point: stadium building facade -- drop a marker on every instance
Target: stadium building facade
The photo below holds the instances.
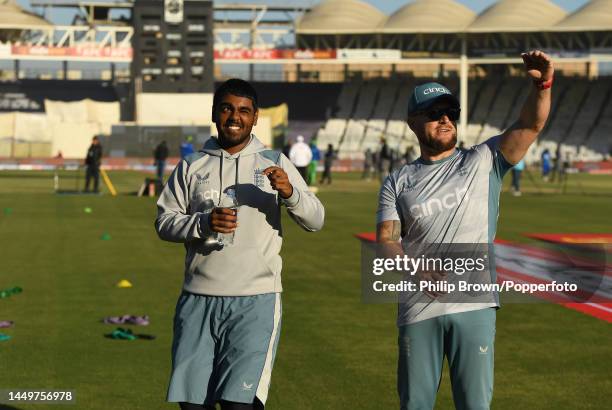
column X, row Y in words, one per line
column 370, row 62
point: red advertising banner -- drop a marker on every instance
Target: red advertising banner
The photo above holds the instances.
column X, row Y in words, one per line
column 273, row 54
column 573, row 238
column 111, row 53
column 602, row 167
column 526, row 265
column 246, row 54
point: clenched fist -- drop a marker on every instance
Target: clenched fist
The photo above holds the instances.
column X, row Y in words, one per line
column 223, row 220
column 279, row 181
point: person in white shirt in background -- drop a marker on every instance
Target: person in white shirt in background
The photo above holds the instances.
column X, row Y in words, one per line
column 300, row 155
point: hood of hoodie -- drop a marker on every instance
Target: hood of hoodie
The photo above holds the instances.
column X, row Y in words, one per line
column 212, row 147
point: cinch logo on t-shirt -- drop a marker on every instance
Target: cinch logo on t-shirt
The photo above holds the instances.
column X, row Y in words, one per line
column 435, row 205
column 212, row 194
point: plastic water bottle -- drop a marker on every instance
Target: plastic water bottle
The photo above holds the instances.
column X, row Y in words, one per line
column 229, row 201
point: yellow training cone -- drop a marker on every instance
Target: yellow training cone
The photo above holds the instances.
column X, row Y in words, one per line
column 123, row 283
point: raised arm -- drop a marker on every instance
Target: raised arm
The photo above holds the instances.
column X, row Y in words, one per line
column 517, row 139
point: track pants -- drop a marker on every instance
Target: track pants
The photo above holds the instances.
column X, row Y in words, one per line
column 467, row 340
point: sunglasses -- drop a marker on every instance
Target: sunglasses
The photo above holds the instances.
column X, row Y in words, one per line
column 436, row 114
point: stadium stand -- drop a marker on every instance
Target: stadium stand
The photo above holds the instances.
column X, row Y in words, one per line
column 379, row 110
column 331, row 133
column 396, row 126
column 354, row 115
column 386, row 100
column 307, row 129
column 347, row 99
column 600, row 138
column 38, row 91
column 42, row 118
column 480, row 115
column 377, row 124
column 299, row 97
column 497, row 115
column 305, row 118
column 356, row 127
column 573, row 98
column 588, row 112
column 375, row 128
column 367, row 103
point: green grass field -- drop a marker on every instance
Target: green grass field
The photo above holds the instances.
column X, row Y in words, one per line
column 335, row 352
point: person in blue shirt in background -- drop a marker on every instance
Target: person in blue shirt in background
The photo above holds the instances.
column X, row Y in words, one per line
column 546, row 164
column 187, row 147
column 314, row 162
column 516, row 177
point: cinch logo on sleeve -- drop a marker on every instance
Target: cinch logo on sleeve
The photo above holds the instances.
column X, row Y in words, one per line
column 435, row 90
column 435, row 205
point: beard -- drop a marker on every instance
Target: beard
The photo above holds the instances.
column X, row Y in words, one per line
column 435, row 146
column 231, row 139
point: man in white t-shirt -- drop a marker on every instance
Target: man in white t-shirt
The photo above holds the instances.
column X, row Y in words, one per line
column 300, row 155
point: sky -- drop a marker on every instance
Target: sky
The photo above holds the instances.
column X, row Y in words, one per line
column 387, row 6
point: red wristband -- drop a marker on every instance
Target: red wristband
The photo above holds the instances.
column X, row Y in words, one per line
column 544, row 85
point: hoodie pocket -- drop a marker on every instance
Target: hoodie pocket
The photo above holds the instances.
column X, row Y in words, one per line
column 232, row 263
column 265, row 262
column 258, row 260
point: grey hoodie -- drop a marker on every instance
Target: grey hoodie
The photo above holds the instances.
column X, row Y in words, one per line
column 252, row 264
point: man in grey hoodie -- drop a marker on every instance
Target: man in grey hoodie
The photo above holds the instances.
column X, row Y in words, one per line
column 227, row 320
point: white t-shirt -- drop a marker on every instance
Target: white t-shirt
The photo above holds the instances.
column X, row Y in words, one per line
column 300, row 154
column 451, row 201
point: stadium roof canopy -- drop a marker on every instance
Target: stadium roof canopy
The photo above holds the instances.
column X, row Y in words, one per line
column 12, row 14
column 518, row 16
column 596, row 15
column 429, row 16
column 341, row 17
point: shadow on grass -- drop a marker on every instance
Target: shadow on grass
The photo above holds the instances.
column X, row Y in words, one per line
column 5, row 407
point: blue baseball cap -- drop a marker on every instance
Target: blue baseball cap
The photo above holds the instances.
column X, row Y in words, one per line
column 425, row 95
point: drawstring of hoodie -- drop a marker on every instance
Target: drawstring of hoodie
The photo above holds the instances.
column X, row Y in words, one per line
column 220, row 179
column 218, row 150
column 237, row 168
column 221, row 158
